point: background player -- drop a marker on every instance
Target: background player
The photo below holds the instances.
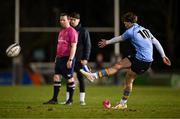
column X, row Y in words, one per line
column 82, row 53
column 64, row 62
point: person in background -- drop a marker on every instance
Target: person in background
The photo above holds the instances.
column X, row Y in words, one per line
column 99, row 64
column 82, row 54
column 65, row 59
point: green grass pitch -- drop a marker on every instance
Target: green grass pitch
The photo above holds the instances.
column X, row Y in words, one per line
column 144, row 102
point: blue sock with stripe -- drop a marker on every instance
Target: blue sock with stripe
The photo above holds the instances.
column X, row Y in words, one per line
column 125, row 97
column 102, row 73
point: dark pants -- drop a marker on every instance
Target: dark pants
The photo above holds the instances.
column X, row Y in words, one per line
column 77, row 68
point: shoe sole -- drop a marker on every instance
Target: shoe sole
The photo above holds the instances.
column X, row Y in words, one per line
column 62, row 103
column 86, row 75
column 82, row 104
column 120, row 108
column 50, row 103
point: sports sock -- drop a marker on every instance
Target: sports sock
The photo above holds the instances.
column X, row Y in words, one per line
column 57, row 85
column 67, row 96
column 71, row 87
column 125, row 97
column 102, row 73
column 86, row 68
column 82, row 96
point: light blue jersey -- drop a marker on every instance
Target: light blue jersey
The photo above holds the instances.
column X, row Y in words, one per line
column 143, row 42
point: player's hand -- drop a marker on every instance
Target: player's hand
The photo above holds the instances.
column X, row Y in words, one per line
column 84, row 62
column 166, row 61
column 69, row 64
column 102, row 43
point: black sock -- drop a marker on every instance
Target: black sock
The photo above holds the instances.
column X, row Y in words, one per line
column 57, row 85
column 81, row 82
column 71, row 87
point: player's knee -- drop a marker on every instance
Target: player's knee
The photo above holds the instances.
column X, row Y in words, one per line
column 71, row 80
column 56, row 78
column 117, row 66
column 71, row 83
column 131, row 75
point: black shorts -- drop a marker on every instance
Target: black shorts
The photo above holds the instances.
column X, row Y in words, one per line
column 138, row 66
column 61, row 67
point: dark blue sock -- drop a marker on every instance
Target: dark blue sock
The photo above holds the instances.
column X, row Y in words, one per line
column 71, row 87
column 103, row 73
column 126, row 94
column 57, row 85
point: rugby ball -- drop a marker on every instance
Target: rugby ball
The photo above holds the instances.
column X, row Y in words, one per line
column 106, row 104
column 13, row 50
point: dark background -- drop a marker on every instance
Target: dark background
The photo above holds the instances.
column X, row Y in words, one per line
column 159, row 16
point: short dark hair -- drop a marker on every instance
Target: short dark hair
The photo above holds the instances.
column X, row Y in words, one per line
column 129, row 17
column 75, row 15
column 64, row 14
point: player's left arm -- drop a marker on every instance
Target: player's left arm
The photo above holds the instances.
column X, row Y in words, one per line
column 72, row 54
column 161, row 51
column 87, row 48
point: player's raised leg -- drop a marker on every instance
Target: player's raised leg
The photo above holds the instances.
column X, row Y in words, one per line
column 124, row 63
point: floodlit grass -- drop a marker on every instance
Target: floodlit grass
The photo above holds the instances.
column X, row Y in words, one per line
column 146, row 102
